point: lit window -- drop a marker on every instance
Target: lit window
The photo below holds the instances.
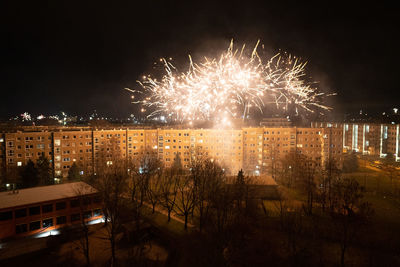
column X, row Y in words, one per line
column 48, row 223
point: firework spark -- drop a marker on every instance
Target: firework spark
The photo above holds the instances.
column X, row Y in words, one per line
column 229, row 87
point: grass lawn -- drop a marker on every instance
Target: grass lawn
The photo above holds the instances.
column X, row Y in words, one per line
column 160, row 221
column 382, row 192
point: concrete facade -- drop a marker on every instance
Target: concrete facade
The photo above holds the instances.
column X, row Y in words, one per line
column 254, row 150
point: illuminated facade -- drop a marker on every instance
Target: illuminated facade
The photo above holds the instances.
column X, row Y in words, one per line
column 23, row 146
column 255, row 150
column 2, row 154
column 70, row 147
column 370, row 138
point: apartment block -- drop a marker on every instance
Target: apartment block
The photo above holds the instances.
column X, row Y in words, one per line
column 23, row 146
column 72, row 147
column 255, row 150
column 373, row 139
column 2, row 154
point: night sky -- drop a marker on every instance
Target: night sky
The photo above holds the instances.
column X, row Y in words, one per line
column 77, row 56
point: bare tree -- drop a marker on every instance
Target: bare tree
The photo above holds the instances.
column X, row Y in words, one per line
column 301, row 171
column 222, row 204
column 330, row 174
column 153, row 190
column 242, row 195
column 307, row 179
column 169, row 189
column 290, row 165
column 81, row 191
column 111, row 181
column 206, row 175
column 145, row 167
column 186, row 197
column 349, row 212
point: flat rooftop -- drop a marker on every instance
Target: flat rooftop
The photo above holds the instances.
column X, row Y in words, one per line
column 40, row 194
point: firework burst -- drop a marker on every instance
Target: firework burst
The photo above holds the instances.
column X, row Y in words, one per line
column 230, row 86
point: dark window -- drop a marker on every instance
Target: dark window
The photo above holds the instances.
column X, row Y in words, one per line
column 74, row 203
column 47, row 223
column 75, row 217
column 61, row 220
column 87, row 214
column 61, row 205
column 96, row 199
column 47, row 208
column 97, row 212
column 20, row 213
column 4, row 216
column 86, row 201
column 21, row 228
column 34, row 226
column 34, row 210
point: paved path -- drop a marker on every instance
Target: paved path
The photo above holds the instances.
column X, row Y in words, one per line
column 164, row 212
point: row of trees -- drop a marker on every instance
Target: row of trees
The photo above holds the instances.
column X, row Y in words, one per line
column 316, row 182
column 225, row 209
column 326, row 192
column 36, row 174
column 213, row 201
column 31, row 174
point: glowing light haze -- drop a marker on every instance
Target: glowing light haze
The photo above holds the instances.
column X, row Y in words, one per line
column 231, row 86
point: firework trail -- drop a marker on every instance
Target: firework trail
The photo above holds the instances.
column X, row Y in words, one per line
column 229, row 87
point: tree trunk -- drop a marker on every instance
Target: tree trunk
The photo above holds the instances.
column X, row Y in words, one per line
column 141, row 198
column 186, row 220
column 87, row 248
column 342, row 256
column 201, row 219
column 133, row 195
column 105, row 219
column 113, row 263
column 169, row 215
column 343, row 247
